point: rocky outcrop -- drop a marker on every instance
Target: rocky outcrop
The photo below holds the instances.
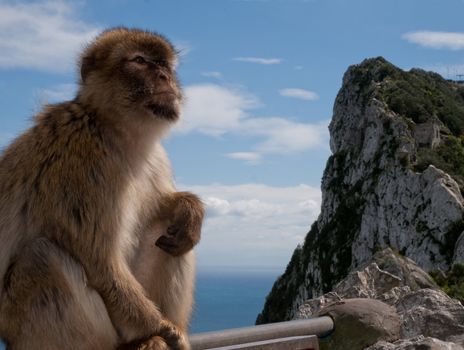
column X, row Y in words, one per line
column 387, row 184
column 418, row 343
column 388, row 278
column 401, row 307
column 430, row 313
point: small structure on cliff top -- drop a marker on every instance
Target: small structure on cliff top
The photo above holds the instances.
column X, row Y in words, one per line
column 427, row 134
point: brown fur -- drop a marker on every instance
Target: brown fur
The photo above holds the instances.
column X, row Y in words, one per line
column 84, row 196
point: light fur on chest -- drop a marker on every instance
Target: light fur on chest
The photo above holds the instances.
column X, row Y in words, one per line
column 142, row 197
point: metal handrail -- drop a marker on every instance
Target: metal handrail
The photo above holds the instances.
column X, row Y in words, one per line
column 320, row 326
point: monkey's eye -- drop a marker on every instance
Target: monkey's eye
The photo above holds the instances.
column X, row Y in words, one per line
column 162, row 63
column 139, row 60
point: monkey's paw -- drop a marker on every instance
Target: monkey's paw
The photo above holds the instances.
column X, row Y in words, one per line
column 186, row 216
column 174, row 338
column 154, row 343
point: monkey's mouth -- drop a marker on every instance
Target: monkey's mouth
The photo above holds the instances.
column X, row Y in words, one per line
column 164, row 111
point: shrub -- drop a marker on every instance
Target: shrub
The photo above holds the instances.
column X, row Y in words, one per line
column 452, row 282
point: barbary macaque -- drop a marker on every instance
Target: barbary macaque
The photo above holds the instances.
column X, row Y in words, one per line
column 95, row 241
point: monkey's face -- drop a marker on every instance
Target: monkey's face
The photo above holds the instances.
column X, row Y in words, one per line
column 135, row 71
column 150, row 79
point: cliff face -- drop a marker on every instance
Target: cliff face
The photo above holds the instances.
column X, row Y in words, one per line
column 394, row 180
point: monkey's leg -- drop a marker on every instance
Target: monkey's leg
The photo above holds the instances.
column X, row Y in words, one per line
column 134, row 315
column 167, row 280
column 47, row 305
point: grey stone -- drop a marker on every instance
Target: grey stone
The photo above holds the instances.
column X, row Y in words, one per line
column 431, row 313
column 367, row 283
column 405, row 269
column 459, row 250
column 311, row 307
column 360, row 323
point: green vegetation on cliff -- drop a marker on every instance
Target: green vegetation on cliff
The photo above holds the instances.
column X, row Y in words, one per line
column 448, row 156
column 451, row 282
column 420, row 97
column 283, row 292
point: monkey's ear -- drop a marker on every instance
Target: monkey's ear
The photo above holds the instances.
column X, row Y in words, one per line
column 88, row 64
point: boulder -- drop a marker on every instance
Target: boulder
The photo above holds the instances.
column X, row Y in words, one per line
column 431, row 313
column 360, row 323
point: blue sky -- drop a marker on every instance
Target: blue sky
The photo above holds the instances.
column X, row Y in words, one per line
column 260, row 78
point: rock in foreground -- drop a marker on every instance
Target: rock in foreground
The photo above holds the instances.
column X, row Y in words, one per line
column 359, row 323
column 402, row 309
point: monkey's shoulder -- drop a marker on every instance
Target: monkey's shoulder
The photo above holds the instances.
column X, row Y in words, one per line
column 67, row 119
column 65, row 142
column 68, row 130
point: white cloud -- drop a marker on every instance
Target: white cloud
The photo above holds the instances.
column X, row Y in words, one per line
column 259, row 60
column 436, row 40
column 284, row 136
column 217, row 110
column 213, row 109
column 254, row 224
column 43, row 35
column 299, row 93
column 249, row 157
column 217, row 75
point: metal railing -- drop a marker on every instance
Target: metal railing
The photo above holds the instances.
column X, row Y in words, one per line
column 269, row 336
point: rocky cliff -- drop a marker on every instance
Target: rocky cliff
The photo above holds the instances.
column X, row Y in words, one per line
column 395, row 179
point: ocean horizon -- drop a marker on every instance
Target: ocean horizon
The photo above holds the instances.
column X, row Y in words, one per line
column 230, row 297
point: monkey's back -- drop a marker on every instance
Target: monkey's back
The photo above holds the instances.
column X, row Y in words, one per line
column 53, row 178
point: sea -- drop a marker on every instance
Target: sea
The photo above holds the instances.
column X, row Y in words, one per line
column 228, row 297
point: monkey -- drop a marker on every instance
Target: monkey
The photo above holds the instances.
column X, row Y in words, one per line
column 96, row 242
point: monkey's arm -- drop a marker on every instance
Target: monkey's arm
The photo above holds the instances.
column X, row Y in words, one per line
column 184, row 212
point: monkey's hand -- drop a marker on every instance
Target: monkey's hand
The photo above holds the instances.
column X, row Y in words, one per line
column 184, row 211
column 168, row 337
